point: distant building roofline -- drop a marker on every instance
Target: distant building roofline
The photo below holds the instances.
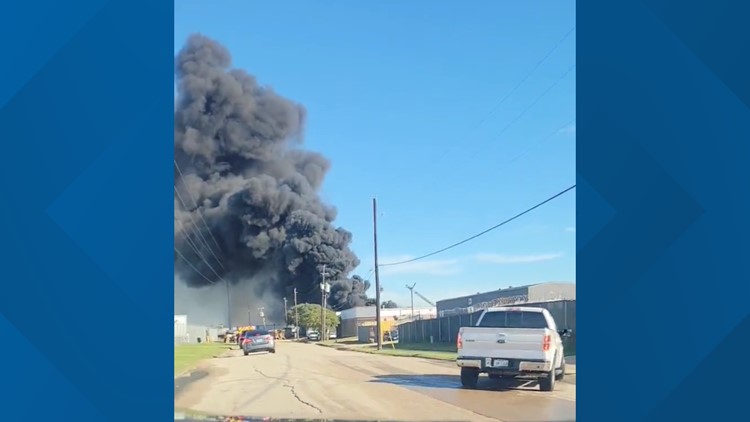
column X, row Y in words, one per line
column 525, row 286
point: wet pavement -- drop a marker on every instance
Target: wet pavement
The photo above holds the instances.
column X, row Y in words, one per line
column 305, row 381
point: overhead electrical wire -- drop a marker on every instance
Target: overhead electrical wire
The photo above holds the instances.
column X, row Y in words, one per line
column 433, row 181
column 195, row 203
column 555, row 196
column 528, row 75
column 199, row 235
column 187, row 261
column 538, row 143
column 197, row 251
column 529, row 107
column 197, row 232
column 515, row 88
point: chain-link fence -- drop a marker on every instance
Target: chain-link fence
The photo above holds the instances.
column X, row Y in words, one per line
column 445, row 330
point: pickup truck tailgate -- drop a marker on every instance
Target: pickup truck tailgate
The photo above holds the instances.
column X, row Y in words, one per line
column 512, row 343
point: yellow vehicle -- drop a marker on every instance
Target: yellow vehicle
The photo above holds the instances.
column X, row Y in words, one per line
column 243, row 330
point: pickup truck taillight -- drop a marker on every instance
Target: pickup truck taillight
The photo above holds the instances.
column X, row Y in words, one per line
column 459, row 341
column 546, row 343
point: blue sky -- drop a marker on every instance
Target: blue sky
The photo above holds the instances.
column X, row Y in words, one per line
column 403, row 98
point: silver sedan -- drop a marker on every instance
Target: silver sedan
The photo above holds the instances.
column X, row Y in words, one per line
column 258, row 341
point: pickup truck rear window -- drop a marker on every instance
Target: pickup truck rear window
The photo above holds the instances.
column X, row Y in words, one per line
column 513, row 319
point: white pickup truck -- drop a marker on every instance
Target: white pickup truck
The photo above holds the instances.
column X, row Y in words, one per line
column 512, row 342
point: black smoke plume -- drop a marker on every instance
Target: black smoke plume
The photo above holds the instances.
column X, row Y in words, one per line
column 245, row 188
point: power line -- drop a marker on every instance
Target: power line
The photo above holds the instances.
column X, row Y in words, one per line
column 485, row 231
column 197, row 251
column 201, row 237
column 195, row 229
column 515, row 88
column 521, row 82
column 434, row 180
column 541, row 141
column 182, row 177
column 192, row 266
column 498, row 169
column 530, row 106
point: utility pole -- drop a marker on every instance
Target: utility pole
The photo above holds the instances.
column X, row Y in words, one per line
column 229, row 307
column 296, row 316
column 262, row 316
column 286, row 318
column 324, row 288
column 378, row 323
column 411, row 289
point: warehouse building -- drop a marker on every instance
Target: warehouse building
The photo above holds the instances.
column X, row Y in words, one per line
column 365, row 316
column 535, row 293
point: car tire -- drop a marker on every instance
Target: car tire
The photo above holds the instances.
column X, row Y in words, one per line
column 245, row 352
column 548, row 383
column 272, row 350
column 469, row 377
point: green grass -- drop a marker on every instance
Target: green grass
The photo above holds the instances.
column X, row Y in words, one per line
column 187, row 356
column 439, row 351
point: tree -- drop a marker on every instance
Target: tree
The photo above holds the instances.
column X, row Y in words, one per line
column 389, row 304
column 309, row 316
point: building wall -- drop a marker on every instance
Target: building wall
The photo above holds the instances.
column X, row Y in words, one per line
column 401, row 313
column 552, row 291
column 541, row 292
column 365, row 315
column 473, row 300
column 349, row 327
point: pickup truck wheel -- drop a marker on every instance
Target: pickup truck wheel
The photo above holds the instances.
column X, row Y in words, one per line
column 469, row 377
column 548, row 383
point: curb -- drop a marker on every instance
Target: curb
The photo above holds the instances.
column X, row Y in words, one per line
column 569, row 370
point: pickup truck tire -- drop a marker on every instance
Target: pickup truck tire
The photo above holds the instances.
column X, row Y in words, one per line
column 469, row 377
column 548, row 383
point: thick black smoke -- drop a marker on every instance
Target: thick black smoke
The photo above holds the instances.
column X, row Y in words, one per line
column 237, row 159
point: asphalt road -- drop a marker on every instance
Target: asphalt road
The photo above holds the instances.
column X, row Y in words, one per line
column 309, row 381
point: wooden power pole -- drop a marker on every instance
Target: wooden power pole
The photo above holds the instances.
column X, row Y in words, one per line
column 378, row 323
column 296, row 316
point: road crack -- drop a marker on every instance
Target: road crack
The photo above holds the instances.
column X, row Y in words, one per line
column 299, row 399
column 291, row 389
column 267, row 376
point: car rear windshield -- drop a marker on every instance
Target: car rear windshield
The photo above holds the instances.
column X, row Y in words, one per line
column 513, row 319
column 253, row 333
